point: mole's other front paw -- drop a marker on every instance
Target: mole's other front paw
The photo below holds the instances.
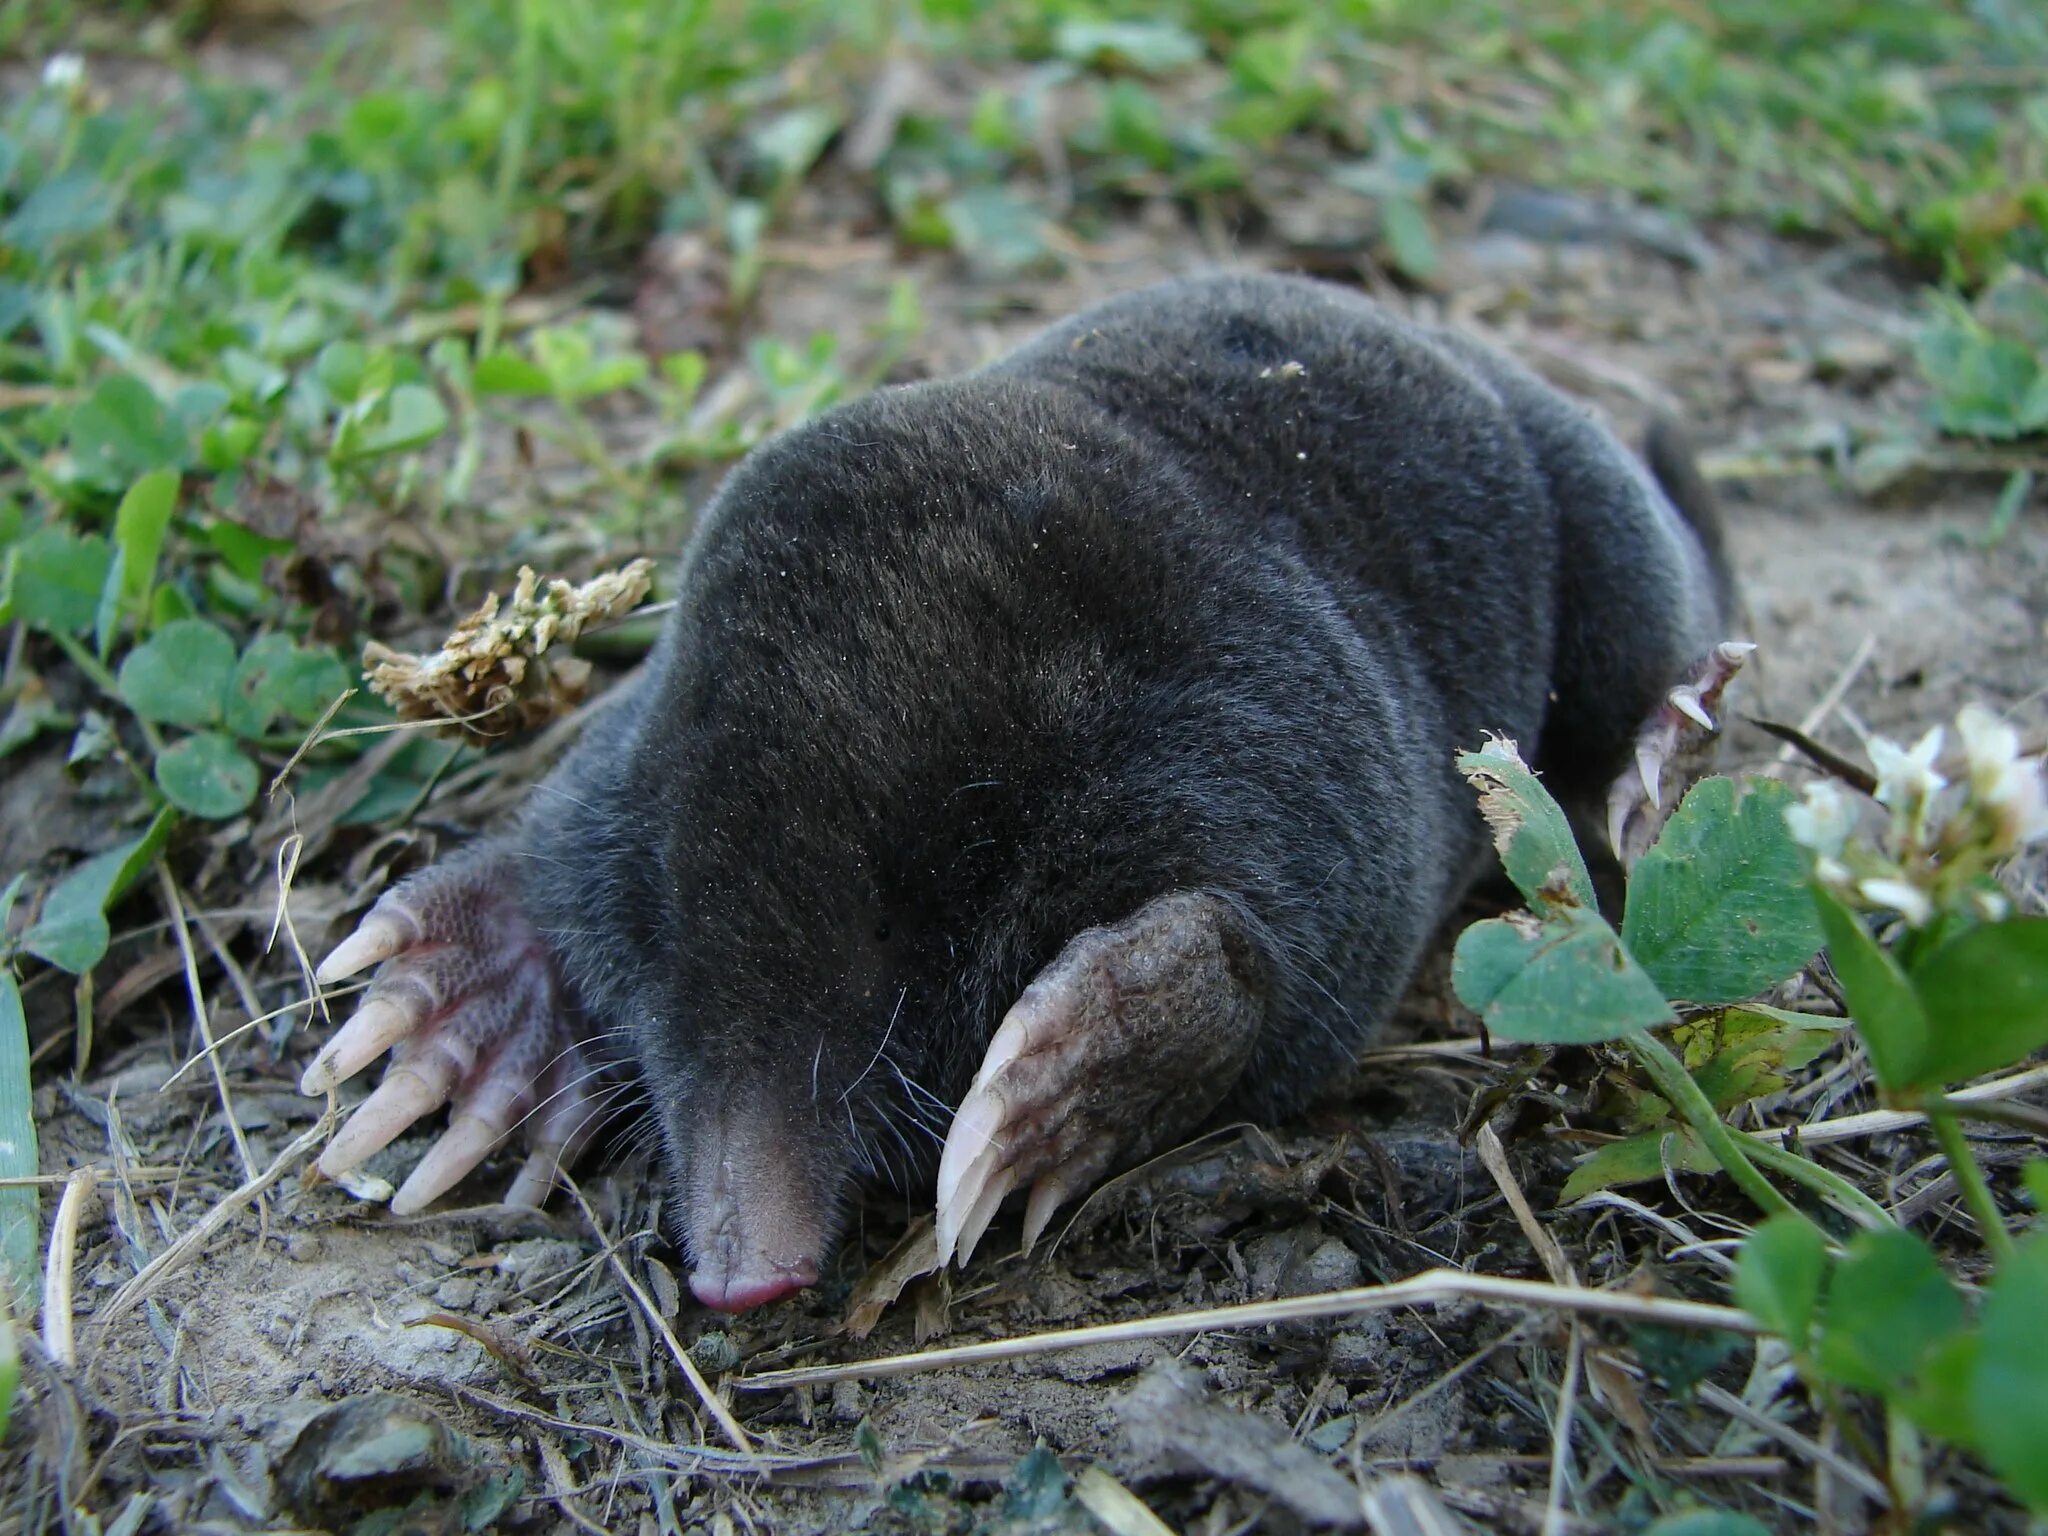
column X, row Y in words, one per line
column 1123, row 1043
column 1672, row 751
column 467, row 1002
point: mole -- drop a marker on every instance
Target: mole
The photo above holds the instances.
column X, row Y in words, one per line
column 1040, row 762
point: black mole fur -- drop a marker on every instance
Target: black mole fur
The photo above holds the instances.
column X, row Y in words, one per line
column 1199, row 590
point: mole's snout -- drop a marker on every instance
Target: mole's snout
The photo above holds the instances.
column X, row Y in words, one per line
column 758, row 1215
column 724, row 1291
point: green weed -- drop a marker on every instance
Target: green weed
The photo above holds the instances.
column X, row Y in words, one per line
column 1743, row 885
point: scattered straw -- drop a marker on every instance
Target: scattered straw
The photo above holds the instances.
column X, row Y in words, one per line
column 189, row 1242
column 1435, row 1287
column 174, row 904
column 58, row 1339
column 713, row 1403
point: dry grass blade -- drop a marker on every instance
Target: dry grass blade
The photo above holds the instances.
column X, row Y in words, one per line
column 1812, row 1450
column 1118, row 1510
column 1407, row 1506
column 174, row 904
column 713, row 1403
column 224, row 1210
column 1494, row 1157
column 1877, row 1122
column 1435, row 1287
column 58, row 1340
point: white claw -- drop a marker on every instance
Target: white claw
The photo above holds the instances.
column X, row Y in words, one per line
column 1047, row 1195
column 984, row 1212
column 407, row 1093
column 375, row 1027
column 379, row 936
column 973, row 1132
column 536, row 1179
column 466, row 1142
column 1651, row 767
column 1618, row 808
column 955, row 1211
column 1687, row 702
column 1735, row 651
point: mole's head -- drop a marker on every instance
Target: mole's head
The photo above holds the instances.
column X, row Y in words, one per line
column 881, row 773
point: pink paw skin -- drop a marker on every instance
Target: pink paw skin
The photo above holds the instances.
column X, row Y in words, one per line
column 1673, row 750
column 467, row 1003
column 1119, row 1047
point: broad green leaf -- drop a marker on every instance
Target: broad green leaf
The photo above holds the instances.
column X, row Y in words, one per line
column 792, row 141
column 58, row 578
column 1985, row 995
column 140, row 523
column 1888, row 1308
column 121, row 431
column 1529, row 828
column 1404, row 225
column 1036, row 1489
column 180, row 674
column 410, row 416
column 2009, row 1392
column 1739, row 1054
column 276, row 676
column 71, row 930
column 206, row 775
column 1887, row 1011
column 1565, row 980
column 20, row 1224
column 1637, row 1160
column 1149, row 47
column 507, row 373
column 343, row 369
column 1718, row 910
column 1779, row 1275
column 245, row 550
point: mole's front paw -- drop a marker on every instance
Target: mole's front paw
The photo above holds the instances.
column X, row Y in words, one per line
column 1119, row 1046
column 467, row 1002
column 1672, row 750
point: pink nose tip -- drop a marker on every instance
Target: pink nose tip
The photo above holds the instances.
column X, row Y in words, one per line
column 742, row 1293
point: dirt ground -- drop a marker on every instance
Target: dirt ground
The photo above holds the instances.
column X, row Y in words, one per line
column 517, row 1346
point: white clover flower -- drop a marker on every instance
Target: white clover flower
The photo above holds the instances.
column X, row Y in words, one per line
column 1832, row 872
column 1900, row 896
column 1823, row 818
column 1907, row 780
column 63, row 72
column 1992, row 906
column 1989, row 745
column 2020, row 801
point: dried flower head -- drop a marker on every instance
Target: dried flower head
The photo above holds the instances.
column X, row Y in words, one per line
column 506, row 667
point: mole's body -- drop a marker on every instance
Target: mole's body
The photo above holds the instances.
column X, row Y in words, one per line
column 1109, row 693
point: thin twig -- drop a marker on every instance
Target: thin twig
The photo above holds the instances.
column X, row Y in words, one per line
column 1435, row 1287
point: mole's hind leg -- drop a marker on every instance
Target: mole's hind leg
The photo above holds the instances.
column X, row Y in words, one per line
column 1121, row 1045
column 468, row 1004
column 1672, row 750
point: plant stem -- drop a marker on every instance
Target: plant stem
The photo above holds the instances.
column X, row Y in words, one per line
column 105, row 681
column 1948, row 1130
column 1684, row 1095
column 1825, row 1182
